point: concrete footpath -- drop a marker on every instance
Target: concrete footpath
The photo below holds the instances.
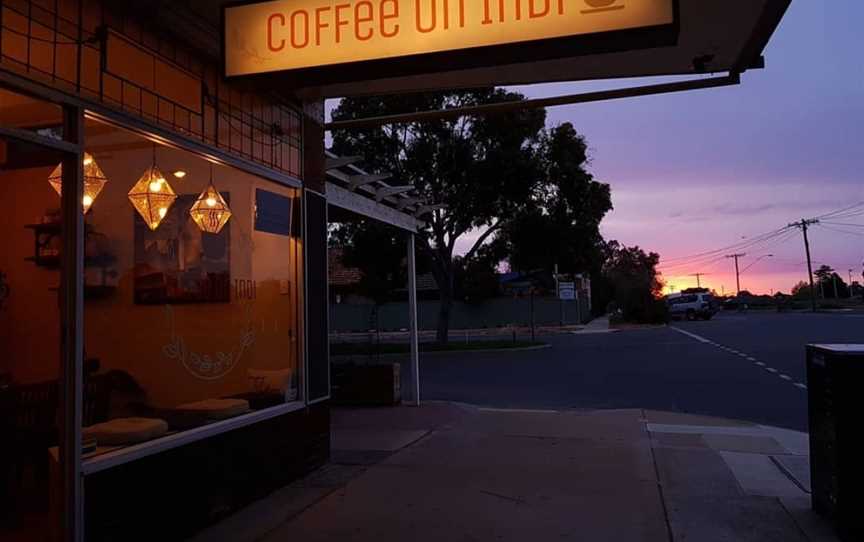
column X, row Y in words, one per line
column 454, row 472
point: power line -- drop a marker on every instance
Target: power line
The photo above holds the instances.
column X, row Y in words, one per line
column 757, row 260
column 838, row 230
column 842, row 224
column 727, row 248
column 775, row 240
column 709, row 256
column 845, row 210
column 768, row 239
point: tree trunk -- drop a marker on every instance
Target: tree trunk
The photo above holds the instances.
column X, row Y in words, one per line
column 445, row 306
column 444, row 309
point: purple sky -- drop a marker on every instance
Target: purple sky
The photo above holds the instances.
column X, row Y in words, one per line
column 697, row 171
column 694, row 172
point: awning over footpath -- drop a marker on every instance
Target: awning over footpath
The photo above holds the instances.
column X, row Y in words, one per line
column 714, row 36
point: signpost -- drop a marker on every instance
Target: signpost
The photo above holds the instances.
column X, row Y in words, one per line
column 312, row 37
column 567, row 291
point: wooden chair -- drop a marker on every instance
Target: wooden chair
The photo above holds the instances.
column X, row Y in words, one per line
column 31, row 422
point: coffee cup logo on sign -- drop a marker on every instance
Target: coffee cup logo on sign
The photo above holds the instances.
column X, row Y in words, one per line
column 597, row 6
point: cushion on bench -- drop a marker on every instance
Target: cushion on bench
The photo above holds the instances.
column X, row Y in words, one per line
column 125, row 431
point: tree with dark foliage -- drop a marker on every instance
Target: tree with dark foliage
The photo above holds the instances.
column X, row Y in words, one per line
column 636, row 287
column 482, row 169
column 560, row 225
column 829, row 284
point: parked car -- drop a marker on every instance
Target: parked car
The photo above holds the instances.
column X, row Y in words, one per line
column 692, row 306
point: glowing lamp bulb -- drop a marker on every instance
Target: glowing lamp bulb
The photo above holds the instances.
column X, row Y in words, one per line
column 88, row 160
column 211, row 202
column 87, row 201
column 155, row 186
column 162, row 212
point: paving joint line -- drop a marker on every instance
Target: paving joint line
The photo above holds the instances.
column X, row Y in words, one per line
column 659, row 484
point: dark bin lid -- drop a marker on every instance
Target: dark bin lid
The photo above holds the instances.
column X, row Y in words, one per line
column 839, row 348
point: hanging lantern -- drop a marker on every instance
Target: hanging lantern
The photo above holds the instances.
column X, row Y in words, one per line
column 152, row 197
column 94, row 181
column 210, row 211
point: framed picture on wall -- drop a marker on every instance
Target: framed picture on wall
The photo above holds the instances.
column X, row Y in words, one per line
column 178, row 263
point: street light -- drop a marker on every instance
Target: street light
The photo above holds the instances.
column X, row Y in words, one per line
column 759, row 259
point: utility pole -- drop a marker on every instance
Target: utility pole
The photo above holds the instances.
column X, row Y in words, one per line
column 850, row 283
column 737, row 271
column 804, row 225
column 699, row 278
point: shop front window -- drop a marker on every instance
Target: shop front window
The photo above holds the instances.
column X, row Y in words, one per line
column 192, row 310
column 30, row 331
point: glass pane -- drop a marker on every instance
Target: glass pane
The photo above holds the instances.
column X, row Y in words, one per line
column 25, row 113
column 191, row 313
column 29, row 342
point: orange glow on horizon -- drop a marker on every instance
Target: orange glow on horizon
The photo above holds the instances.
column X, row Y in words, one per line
column 766, row 283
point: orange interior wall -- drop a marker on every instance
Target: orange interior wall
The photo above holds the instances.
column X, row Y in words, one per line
column 138, row 338
column 30, row 319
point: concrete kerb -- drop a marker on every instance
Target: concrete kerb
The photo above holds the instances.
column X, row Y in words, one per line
column 397, row 355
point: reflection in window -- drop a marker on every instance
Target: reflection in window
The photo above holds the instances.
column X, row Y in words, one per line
column 30, row 227
column 25, row 113
column 192, row 311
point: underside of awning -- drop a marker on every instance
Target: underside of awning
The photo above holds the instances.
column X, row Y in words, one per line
column 715, row 36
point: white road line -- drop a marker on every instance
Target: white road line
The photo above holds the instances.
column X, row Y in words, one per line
column 702, row 340
column 748, row 357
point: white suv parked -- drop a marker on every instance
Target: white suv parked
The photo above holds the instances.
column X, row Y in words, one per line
column 692, row 305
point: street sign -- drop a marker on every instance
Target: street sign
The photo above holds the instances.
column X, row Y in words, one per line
column 302, row 35
column 567, row 291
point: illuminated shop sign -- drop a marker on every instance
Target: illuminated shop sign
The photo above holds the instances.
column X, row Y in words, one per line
column 286, row 35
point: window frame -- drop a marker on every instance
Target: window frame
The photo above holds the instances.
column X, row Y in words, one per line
column 75, row 112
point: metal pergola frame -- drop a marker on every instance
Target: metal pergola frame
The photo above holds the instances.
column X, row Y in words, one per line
column 353, row 189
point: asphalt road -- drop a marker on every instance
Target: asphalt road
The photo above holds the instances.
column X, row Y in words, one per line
column 740, row 366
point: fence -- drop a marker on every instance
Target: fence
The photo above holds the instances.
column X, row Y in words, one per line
column 491, row 314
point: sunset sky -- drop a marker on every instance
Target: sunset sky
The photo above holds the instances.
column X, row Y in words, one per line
column 694, row 172
column 698, row 171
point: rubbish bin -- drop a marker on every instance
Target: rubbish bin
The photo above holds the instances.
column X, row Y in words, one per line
column 835, row 376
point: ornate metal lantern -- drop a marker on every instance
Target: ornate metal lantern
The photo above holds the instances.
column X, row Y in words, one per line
column 152, row 197
column 94, row 181
column 210, row 211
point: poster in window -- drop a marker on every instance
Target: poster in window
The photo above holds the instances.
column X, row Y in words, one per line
column 178, row 263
